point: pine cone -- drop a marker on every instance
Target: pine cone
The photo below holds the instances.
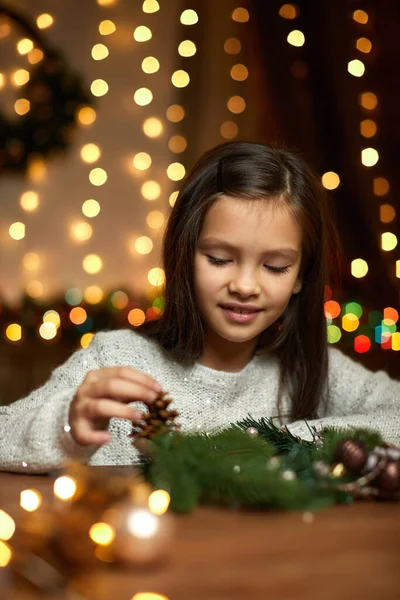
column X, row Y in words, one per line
column 158, row 420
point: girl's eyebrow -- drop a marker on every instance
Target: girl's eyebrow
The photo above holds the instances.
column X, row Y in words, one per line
column 211, row 242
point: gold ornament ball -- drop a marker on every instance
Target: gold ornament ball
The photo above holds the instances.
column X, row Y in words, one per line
column 141, row 537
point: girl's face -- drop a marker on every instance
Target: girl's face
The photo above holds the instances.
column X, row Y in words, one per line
column 248, row 255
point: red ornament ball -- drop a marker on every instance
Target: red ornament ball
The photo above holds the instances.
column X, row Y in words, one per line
column 352, row 454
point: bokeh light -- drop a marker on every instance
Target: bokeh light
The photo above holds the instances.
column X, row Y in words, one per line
column 229, row 130
column 240, row 15
column 369, row 157
column 92, row 263
column 176, row 171
column 143, row 96
column 356, row 67
column 155, row 219
column 136, row 317
column 175, row 113
column 330, row 180
column 151, row 190
column 29, row 201
column 296, row 38
column 90, row 153
column 107, row 27
column 177, row 144
column 152, row 127
column 93, row 294
column 236, row 104
column 150, row 65
column 100, row 52
column 388, row 241
column 156, row 276
column 189, row 17
column 288, row 11
column 30, row 500
column 187, row 48
column 99, row 87
column 359, row 268
column 143, row 245
column 86, row 115
column 333, row 334
column 142, row 161
column 180, row 78
column 98, row 176
column 380, row 186
column 31, row 261
column 368, row 128
column 14, row 332
column 91, row 208
column 17, row 231
column 360, row 16
column 142, row 34
column 239, row 72
column 150, row 6
column 362, row 344
column 368, row 100
column 232, row 46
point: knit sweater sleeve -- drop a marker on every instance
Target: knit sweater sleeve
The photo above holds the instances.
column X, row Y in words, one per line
column 357, row 398
column 34, row 431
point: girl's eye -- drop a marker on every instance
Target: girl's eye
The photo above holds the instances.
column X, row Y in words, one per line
column 277, row 269
column 216, row 261
column 222, row 261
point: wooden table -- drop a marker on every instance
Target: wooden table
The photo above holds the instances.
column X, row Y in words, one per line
column 349, row 552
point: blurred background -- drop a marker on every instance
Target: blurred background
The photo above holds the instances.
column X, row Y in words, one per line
column 105, row 104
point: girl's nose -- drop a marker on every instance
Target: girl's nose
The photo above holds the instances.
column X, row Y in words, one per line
column 245, row 284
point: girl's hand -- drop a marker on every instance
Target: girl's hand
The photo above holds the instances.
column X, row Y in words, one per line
column 105, row 394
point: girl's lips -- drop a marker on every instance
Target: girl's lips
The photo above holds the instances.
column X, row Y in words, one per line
column 238, row 317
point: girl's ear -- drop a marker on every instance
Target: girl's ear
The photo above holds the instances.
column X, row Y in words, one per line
column 297, row 287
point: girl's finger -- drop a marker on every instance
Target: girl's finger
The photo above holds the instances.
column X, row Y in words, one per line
column 100, row 409
column 128, row 373
column 121, row 390
column 86, row 436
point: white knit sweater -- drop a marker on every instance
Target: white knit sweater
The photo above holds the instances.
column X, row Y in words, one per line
column 32, row 431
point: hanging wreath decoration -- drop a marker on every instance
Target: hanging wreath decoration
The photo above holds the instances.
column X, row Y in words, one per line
column 54, row 92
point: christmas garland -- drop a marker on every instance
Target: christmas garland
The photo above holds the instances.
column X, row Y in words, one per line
column 54, row 94
column 255, row 464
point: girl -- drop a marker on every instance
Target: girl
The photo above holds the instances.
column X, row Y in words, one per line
column 246, row 257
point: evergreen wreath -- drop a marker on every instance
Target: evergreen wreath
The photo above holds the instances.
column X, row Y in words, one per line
column 55, row 94
column 256, row 464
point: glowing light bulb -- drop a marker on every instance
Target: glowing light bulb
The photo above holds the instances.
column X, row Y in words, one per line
column 189, row 17
column 100, row 52
column 142, row 34
column 150, row 65
column 143, row 96
column 296, row 38
column 45, row 20
column 90, row 208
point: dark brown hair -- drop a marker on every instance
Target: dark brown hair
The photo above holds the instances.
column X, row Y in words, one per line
column 257, row 172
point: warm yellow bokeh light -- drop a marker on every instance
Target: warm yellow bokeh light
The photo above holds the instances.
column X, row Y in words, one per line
column 37, row 170
column 150, row 6
column 187, row 48
column 22, row 106
column 143, row 245
column 2, row 81
column 81, row 232
column 368, row 100
column 151, row 190
column 30, row 500
column 119, row 300
column 368, row 128
column 156, row 277
column 90, row 153
column 47, row 331
column 176, row 171
column 330, row 180
column 236, row 104
column 35, row 56
column 364, row 45
column 143, row 96
column 93, row 294
column 107, row 27
column 6, row 555
column 5, row 28
column 189, row 17
column 387, row 213
column 31, row 261
column 77, row 315
column 136, row 317
column 149, row 596
column 142, row 161
column 65, row 487
column 397, row 268
column 180, row 78
column 34, row 289
column 155, row 219
column 159, row 502
column 29, row 201
column 350, row 322
column 240, row 15
column 20, row 77
column 98, row 176
column 86, row 339
column 239, row 72
column 229, row 130
column 92, row 263
column 380, row 186
column 106, row 2
column 17, row 231
column 360, row 16
column 175, row 113
column 152, row 127
column 100, row 52
column 288, row 11
column 356, row 67
column 359, row 268
column 396, row 341
column 388, row 241
column 99, row 87
column 172, row 198
column 24, row 46
column 232, row 46
column 177, row 144
column 91, row 208
column 369, row 157
column 7, row 526
column 14, row 332
column 52, row 316
column 142, row 34
column 102, row 534
column 86, row 115
column 150, row 65
column 296, row 38
column 45, row 20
